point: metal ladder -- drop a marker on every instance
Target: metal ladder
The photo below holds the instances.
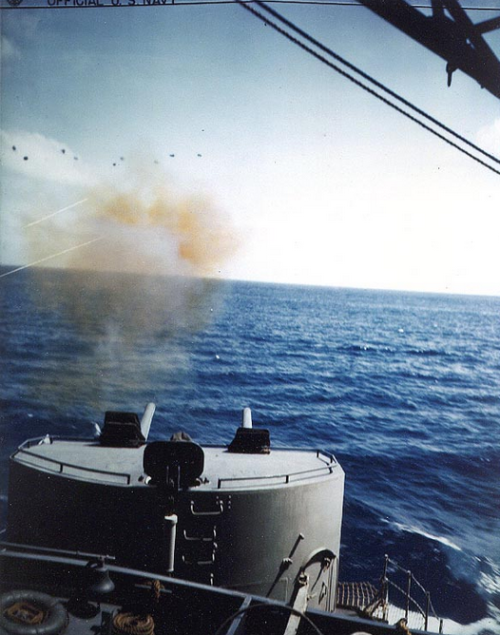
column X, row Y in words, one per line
column 199, row 540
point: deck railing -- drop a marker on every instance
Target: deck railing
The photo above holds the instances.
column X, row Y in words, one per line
column 63, row 466
column 402, row 596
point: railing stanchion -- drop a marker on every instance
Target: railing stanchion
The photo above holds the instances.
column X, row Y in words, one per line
column 427, row 609
column 385, row 589
column 408, row 596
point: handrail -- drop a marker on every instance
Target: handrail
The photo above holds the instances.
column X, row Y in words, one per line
column 63, row 464
column 49, row 438
column 410, row 601
column 278, row 478
column 5, row 544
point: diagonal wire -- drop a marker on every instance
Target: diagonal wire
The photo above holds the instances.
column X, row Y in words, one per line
column 59, row 211
column 59, row 253
column 342, row 72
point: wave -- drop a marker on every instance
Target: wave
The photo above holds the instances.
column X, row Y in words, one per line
column 421, row 532
column 490, row 580
column 426, row 352
column 486, row 626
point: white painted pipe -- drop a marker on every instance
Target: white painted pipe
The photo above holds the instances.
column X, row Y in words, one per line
column 170, row 536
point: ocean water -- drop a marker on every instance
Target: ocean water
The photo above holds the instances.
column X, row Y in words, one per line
column 403, row 388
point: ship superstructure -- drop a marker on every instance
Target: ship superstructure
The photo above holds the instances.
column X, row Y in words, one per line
column 242, row 516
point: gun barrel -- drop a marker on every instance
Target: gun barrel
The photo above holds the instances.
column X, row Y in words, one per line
column 146, row 419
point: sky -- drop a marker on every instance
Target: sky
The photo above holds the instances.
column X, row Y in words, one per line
column 198, row 141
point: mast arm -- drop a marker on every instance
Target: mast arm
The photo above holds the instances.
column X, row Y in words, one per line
column 453, row 37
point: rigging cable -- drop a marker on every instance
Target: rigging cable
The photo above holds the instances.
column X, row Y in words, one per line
column 373, row 92
column 371, row 79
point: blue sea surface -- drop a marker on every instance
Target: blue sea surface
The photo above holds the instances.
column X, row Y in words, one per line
column 403, row 388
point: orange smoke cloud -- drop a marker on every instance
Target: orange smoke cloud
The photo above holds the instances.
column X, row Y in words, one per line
column 149, row 227
column 144, row 224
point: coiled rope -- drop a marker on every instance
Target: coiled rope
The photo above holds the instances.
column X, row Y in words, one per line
column 131, row 624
